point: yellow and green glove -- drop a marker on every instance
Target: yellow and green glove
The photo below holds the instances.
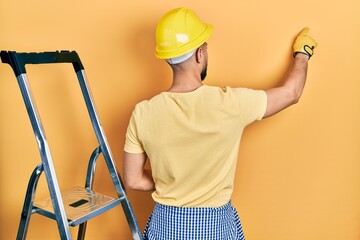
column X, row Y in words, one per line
column 304, row 44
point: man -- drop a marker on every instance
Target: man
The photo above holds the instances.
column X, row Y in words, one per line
column 191, row 134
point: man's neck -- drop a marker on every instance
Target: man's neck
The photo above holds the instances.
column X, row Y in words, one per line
column 185, row 83
column 183, row 89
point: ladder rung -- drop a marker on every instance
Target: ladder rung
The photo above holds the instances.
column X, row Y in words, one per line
column 80, row 204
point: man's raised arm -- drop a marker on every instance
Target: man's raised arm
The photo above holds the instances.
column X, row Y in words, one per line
column 289, row 93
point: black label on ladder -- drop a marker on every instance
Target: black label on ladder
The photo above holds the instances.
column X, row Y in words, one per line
column 78, row 203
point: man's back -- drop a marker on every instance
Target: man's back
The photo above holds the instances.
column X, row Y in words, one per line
column 192, row 141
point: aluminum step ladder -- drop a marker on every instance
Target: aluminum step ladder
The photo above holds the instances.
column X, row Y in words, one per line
column 78, row 205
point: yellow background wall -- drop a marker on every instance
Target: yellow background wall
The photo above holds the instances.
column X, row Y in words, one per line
column 298, row 173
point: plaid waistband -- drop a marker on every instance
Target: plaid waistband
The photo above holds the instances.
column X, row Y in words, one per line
column 194, row 223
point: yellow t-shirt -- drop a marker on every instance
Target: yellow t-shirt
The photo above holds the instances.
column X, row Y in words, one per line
column 192, row 141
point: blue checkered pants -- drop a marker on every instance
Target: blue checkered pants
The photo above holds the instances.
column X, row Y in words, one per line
column 194, row 223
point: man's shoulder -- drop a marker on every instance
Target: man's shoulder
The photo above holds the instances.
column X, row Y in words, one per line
column 143, row 104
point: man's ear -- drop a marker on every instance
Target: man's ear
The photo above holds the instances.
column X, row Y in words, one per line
column 198, row 55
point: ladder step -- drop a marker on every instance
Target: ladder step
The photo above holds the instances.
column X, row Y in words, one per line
column 80, row 205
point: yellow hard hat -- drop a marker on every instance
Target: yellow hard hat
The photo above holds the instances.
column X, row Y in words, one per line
column 180, row 31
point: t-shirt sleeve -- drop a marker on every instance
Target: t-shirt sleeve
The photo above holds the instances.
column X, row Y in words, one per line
column 252, row 104
column 132, row 142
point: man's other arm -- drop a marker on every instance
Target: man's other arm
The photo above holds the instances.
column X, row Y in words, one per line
column 290, row 92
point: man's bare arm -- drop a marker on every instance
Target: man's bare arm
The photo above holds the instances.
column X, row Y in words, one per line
column 289, row 93
column 136, row 177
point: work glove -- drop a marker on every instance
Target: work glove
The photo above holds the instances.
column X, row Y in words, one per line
column 304, row 44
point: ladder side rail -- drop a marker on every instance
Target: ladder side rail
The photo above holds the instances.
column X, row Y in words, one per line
column 134, row 227
column 100, row 133
column 46, row 157
column 29, row 202
column 130, row 216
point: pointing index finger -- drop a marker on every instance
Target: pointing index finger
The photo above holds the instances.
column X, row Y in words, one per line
column 304, row 31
